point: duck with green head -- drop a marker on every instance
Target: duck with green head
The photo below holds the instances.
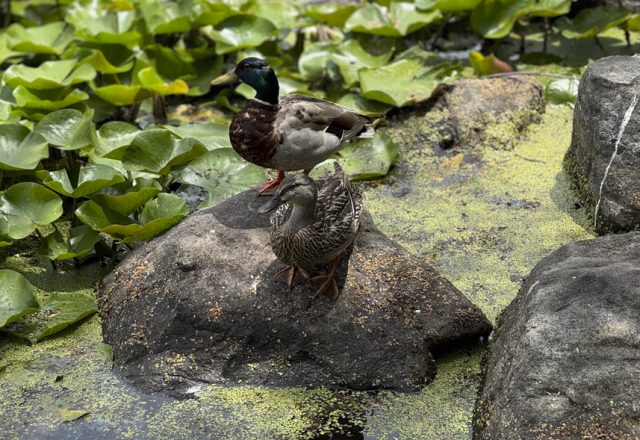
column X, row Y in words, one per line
column 286, row 133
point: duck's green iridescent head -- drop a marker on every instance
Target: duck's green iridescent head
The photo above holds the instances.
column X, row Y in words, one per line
column 256, row 73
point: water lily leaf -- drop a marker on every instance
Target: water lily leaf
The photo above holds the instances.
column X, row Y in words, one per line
column 103, row 27
column 399, row 19
column 150, row 79
column 312, row 63
column 112, row 137
column 166, row 17
column 495, row 18
column 282, row 14
column 156, row 151
column 351, row 56
column 333, row 14
column 487, row 65
column 447, row 5
column 5, row 51
column 562, row 91
column 51, row 38
column 49, row 75
column 241, row 32
column 20, row 149
column 124, row 198
column 593, row 21
column 49, row 100
column 634, row 23
column 363, row 106
column 16, row 297
column 105, row 220
column 59, row 312
column 100, row 62
column 120, row 94
column 397, row 84
column 69, row 415
column 157, row 216
column 26, row 205
column 91, row 178
column 223, row 173
column 67, row 129
column 211, row 135
column 80, row 241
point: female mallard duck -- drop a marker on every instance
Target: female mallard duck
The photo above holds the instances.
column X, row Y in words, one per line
column 286, row 133
column 313, row 227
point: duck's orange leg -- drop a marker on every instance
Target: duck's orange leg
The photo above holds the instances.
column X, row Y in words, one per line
column 291, row 275
column 328, row 286
column 270, row 187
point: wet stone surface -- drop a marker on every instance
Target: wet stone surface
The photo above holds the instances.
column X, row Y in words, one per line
column 200, row 304
column 564, row 364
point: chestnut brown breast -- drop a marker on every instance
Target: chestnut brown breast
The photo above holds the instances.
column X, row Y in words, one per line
column 252, row 134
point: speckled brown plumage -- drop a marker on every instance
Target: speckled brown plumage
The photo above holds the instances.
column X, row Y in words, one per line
column 252, row 135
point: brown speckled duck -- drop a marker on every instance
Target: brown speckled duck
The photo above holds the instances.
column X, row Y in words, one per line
column 313, row 227
column 286, row 133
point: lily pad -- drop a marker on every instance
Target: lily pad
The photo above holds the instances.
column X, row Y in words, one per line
column 80, row 241
column 487, row 65
column 223, row 173
column 593, row 21
column 398, row 84
column 124, row 198
column 241, row 32
column 351, row 56
column 364, row 106
column 283, row 14
column 166, row 17
column 396, row 20
column 150, row 79
column 104, row 27
column 58, row 312
column 91, row 178
column 448, row 5
column 562, row 91
column 67, row 129
column 16, row 297
column 120, row 94
column 156, row 150
column 212, row 136
column 312, row 63
column 69, row 415
column 112, row 137
column 51, row 38
column 26, row 205
column 496, row 18
column 100, row 62
column 20, row 149
column 333, row 14
column 49, row 100
column 49, row 75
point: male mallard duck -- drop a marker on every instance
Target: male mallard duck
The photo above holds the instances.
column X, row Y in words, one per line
column 313, row 227
column 286, row 133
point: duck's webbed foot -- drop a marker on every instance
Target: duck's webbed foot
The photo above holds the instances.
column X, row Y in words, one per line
column 291, row 276
column 270, row 187
column 327, row 283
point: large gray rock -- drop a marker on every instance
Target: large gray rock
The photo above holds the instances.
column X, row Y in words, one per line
column 200, row 304
column 565, row 363
column 606, row 92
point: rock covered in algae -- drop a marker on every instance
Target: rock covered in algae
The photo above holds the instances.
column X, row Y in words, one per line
column 200, row 304
column 604, row 158
column 474, row 113
column 564, row 364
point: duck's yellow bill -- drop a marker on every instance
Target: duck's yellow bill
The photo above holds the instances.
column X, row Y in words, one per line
column 227, row 78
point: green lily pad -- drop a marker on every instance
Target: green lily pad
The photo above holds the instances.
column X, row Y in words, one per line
column 26, row 205
column 21, row 149
column 59, row 312
column 487, row 65
column 166, row 17
column 333, row 14
column 91, row 178
column 69, row 415
column 51, row 38
column 223, row 173
column 156, row 150
column 562, row 91
column 49, row 75
column 150, row 79
column 496, row 18
column 100, row 62
column 448, row 5
column 124, row 198
column 96, row 25
column 105, row 220
column 593, row 21
column 241, row 32
column 364, row 106
column 398, row 84
column 120, row 94
column 67, row 129
column 16, row 297
column 113, row 137
column 633, row 24
column 6, row 52
column 399, row 19
column 80, row 241
column 212, row 136
column 48, row 100
column 351, row 56
column 283, row 14
column 312, row 63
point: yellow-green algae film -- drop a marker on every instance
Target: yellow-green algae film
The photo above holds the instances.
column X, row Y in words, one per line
column 482, row 217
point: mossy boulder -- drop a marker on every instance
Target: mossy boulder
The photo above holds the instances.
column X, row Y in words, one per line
column 603, row 160
column 564, row 361
column 200, row 305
